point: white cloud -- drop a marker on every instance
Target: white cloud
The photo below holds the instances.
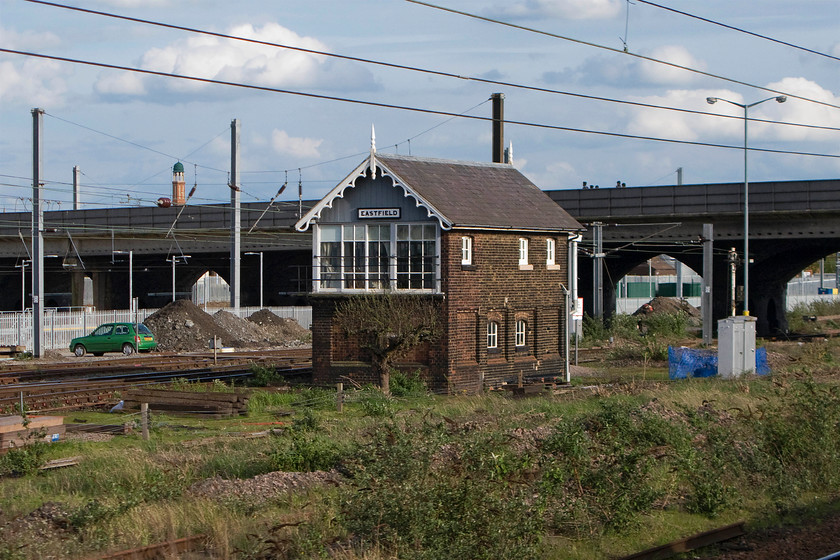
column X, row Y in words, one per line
column 35, row 83
column 656, row 73
column 568, row 9
column 800, row 111
column 119, row 84
column 297, row 147
column 242, row 62
column 685, row 126
column 629, row 71
column 28, row 39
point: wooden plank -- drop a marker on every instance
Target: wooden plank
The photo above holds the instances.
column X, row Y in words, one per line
column 689, row 543
column 194, row 543
column 58, row 463
column 15, row 423
column 137, row 394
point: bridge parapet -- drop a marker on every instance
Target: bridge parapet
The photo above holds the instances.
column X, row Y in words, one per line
column 711, row 199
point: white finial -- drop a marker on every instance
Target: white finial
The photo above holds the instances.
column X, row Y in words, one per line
column 372, row 164
column 509, row 154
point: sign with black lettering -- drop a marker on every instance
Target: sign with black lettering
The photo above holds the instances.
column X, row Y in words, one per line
column 381, row 213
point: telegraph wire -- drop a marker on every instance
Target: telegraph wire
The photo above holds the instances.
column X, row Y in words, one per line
column 450, row 74
column 739, row 30
column 612, row 49
column 383, row 105
column 135, row 144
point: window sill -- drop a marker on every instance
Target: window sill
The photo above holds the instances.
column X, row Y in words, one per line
column 468, row 267
column 553, row 267
column 526, row 267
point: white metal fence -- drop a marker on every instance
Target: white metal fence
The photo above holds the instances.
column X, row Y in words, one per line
column 60, row 327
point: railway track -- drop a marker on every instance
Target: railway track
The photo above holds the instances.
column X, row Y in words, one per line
column 18, row 372
column 52, row 389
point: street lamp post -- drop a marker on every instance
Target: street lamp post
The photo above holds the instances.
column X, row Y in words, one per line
column 746, row 107
column 174, row 259
column 261, row 275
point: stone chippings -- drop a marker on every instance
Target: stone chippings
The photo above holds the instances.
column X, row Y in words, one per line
column 182, row 326
column 262, row 487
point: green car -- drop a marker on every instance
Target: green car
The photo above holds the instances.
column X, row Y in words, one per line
column 127, row 338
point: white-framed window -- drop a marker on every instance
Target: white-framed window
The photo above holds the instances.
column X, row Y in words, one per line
column 549, row 251
column 492, row 334
column 521, row 327
column 466, row 250
column 416, row 256
column 377, row 257
column 523, row 251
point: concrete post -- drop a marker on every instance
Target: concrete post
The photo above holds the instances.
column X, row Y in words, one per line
column 706, row 296
column 37, row 237
column 236, row 217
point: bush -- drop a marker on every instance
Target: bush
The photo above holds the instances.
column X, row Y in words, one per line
column 264, row 375
column 306, row 453
column 22, row 461
column 594, row 330
column 407, row 384
column 665, row 325
column 412, row 506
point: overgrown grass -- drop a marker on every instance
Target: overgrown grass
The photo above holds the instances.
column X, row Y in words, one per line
column 572, row 476
column 796, row 316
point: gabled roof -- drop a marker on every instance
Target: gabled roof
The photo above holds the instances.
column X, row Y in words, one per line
column 460, row 194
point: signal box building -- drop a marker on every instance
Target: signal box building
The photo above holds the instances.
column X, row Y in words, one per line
column 479, row 238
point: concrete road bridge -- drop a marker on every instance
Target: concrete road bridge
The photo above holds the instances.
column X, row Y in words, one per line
column 792, row 224
column 96, row 243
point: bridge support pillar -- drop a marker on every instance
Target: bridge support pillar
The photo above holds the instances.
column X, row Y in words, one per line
column 768, row 305
column 81, row 292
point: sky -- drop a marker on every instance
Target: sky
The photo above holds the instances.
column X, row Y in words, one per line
column 550, row 58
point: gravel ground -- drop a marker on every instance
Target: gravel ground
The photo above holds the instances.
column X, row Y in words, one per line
column 816, row 540
column 262, row 487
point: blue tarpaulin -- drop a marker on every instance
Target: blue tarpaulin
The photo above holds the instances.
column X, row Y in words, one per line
column 691, row 362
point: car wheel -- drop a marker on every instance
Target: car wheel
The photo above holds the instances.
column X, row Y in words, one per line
column 79, row 350
column 128, row 349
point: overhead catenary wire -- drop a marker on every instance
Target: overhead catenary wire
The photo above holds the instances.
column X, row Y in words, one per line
column 402, row 107
column 613, row 49
column 426, row 70
column 739, row 30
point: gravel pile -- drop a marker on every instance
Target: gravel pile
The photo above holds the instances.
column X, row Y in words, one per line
column 245, row 332
column 262, row 487
column 182, row 326
column 671, row 305
column 282, row 331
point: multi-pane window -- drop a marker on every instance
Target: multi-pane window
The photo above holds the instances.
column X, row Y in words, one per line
column 329, row 257
column 379, row 241
column 354, row 257
column 520, row 332
column 377, row 256
column 523, row 251
column 416, row 251
column 492, row 334
column 466, row 250
column 549, row 251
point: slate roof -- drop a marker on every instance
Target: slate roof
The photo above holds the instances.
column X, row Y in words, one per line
column 467, row 194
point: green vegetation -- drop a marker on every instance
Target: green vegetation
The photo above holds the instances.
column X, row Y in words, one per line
column 576, row 475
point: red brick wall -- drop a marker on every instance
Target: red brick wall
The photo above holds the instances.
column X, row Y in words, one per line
column 492, row 287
